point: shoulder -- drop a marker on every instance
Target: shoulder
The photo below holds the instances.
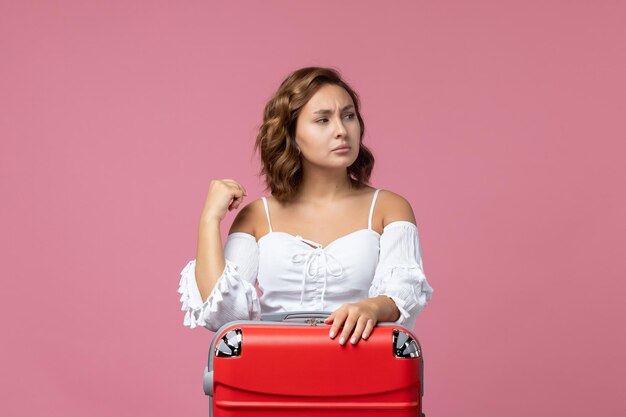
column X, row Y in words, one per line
column 394, row 207
column 249, row 217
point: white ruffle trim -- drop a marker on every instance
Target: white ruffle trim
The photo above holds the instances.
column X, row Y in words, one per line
column 407, row 286
column 229, row 282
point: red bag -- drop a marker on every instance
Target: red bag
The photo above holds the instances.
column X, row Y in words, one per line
column 287, row 365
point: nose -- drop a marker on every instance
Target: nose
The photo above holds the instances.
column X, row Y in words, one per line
column 340, row 129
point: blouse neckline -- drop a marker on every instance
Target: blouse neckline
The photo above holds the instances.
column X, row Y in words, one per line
column 303, row 240
column 389, row 225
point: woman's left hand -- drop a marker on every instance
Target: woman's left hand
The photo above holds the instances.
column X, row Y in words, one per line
column 361, row 317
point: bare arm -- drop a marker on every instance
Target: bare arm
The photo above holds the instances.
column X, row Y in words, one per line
column 210, row 261
column 224, row 195
column 386, row 308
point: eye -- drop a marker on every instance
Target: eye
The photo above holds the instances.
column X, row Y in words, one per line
column 351, row 115
column 319, row 120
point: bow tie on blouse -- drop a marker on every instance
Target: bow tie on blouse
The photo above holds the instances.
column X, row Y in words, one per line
column 311, row 257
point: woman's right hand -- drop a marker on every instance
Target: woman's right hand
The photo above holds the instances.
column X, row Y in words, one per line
column 224, row 195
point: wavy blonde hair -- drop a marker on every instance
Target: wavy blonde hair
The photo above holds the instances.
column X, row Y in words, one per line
column 281, row 163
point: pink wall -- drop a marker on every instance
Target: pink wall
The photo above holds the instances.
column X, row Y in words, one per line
column 499, row 121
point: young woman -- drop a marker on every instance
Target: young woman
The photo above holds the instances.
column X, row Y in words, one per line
column 361, row 258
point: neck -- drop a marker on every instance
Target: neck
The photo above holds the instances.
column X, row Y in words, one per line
column 324, row 186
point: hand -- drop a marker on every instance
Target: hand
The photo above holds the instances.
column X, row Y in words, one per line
column 224, row 195
column 361, row 316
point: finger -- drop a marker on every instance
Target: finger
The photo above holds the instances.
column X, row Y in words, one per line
column 233, row 204
column 337, row 323
column 241, row 188
column 238, row 192
column 329, row 319
column 358, row 330
column 236, row 185
column 369, row 328
column 347, row 329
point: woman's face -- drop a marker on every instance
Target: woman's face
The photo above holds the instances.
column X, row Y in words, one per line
column 328, row 120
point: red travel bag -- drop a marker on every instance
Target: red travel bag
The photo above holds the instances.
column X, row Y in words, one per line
column 287, row 365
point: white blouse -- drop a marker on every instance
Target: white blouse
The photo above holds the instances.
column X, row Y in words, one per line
column 297, row 274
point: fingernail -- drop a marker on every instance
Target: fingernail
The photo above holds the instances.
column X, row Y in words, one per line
column 365, row 335
column 353, row 341
column 342, row 341
column 332, row 334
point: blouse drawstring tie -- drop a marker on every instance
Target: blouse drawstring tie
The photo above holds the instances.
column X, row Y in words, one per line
column 308, row 257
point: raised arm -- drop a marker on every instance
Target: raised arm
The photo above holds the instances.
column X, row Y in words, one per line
column 219, row 286
column 223, row 196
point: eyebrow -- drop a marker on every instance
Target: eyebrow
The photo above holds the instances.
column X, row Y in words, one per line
column 326, row 111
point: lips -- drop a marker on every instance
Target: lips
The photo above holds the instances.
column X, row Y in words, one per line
column 342, row 147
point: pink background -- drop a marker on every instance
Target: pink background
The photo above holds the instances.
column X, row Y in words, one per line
column 499, row 122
